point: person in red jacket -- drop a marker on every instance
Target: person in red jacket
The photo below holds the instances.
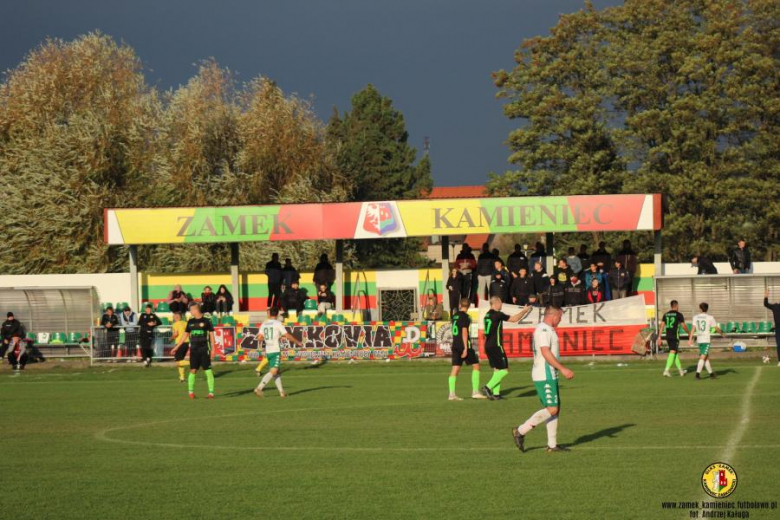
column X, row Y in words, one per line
column 595, row 293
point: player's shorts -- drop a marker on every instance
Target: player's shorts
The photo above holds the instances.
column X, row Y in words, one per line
column 274, row 360
column 674, row 344
column 497, row 358
column 548, row 392
column 200, row 357
column 704, row 349
column 181, row 352
column 470, row 359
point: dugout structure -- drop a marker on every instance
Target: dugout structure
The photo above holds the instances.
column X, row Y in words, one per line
column 436, row 218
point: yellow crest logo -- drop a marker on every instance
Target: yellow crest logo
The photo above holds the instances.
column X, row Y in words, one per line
column 719, row 480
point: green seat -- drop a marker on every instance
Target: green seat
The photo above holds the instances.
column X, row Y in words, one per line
column 764, row 327
column 104, row 306
column 164, row 320
column 214, row 319
column 74, row 337
column 228, row 320
column 58, row 338
column 748, row 327
column 731, row 327
column 163, row 307
column 310, row 305
column 31, row 336
column 120, row 306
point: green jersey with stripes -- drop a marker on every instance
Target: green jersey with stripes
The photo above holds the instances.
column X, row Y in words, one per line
column 671, row 323
column 544, row 336
column 702, row 325
column 494, row 328
column 272, row 331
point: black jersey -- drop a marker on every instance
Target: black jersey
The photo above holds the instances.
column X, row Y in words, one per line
column 493, row 324
column 198, row 329
column 672, row 322
column 148, row 322
column 460, row 321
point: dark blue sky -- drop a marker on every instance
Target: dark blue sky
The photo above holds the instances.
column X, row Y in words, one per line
column 432, row 57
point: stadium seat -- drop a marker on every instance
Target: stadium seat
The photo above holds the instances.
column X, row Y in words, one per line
column 43, row 338
column 214, row 319
column 748, row 327
column 764, row 327
column 120, row 306
column 730, row 327
column 164, row 320
column 228, row 320
column 310, row 305
column 163, row 307
column 31, row 336
column 74, row 338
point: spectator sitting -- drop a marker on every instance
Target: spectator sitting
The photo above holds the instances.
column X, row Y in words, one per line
column 294, row 299
column 324, row 274
column 555, row 294
column 273, row 271
column 539, row 254
column 522, row 287
column 533, row 301
column 326, row 300
column 584, row 256
column 9, row 328
column 562, row 272
column 454, row 287
column 619, row 281
column 516, row 261
column 574, row 262
column 208, row 301
column 740, row 258
column 17, row 351
column 499, row 285
column 540, row 278
column 602, row 256
column 433, row 309
column 627, row 257
column 575, row 293
column 595, row 292
column 704, row 265
column 289, row 274
column 224, row 301
column 485, row 272
column 466, row 265
column 177, row 300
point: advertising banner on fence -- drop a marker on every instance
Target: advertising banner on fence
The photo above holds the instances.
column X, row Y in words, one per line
column 383, row 219
column 602, row 329
column 225, row 342
column 391, row 340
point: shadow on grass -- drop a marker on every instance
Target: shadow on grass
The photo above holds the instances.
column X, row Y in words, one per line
column 508, row 391
column 239, row 393
column 606, row 432
column 316, row 389
column 222, row 373
column 322, row 363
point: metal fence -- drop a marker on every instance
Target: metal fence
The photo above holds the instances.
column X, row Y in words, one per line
column 123, row 344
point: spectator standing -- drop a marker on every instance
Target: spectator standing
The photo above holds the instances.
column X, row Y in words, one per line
column 224, row 300
column 110, row 323
column 516, row 261
column 289, row 274
column 740, row 258
column 584, row 256
column 466, row 265
column 433, row 309
column 555, row 294
column 324, row 274
column 326, row 300
column 575, row 293
column 273, row 271
column 627, row 257
column 484, row 271
column 602, row 257
column 540, row 278
column 177, row 300
column 454, row 288
column 574, row 262
column 703, row 264
column 148, row 322
column 594, row 273
column 294, row 299
column 595, row 292
column 9, row 329
column 499, row 284
column 129, row 321
column 539, row 255
column 562, row 272
column 208, row 301
column 619, row 281
column 522, row 287
column 775, row 308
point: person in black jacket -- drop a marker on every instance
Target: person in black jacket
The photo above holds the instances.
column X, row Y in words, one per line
column 294, row 299
column 224, row 300
column 775, row 308
column 324, row 274
column 555, row 294
column 704, row 265
column 540, row 278
column 110, row 323
column 619, row 281
column 522, row 288
column 9, row 329
column 601, row 256
column 208, row 301
column 575, row 293
column 499, row 282
column 533, row 301
column 289, row 274
column 485, row 271
column 740, row 258
column 148, row 322
column 516, row 261
column 562, row 272
column 273, row 270
column 454, row 287
column 326, row 300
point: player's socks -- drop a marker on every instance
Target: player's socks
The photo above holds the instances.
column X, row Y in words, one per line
column 191, row 382
column 670, row 360
column 535, row 420
column 210, row 380
column 182, row 373
column 266, row 379
column 700, row 366
column 474, row 382
column 552, row 431
column 708, row 366
column 451, row 383
column 262, row 365
column 278, row 382
column 677, row 362
column 495, row 381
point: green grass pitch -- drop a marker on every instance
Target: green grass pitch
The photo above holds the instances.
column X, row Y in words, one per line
column 378, row 440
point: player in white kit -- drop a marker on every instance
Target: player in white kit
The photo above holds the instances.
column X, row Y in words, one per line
column 703, row 324
column 271, row 331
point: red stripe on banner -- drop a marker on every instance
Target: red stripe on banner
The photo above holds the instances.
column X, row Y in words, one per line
column 594, row 212
column 649, row 297
column 573, row 341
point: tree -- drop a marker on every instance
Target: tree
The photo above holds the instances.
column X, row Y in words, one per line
column 373, row 153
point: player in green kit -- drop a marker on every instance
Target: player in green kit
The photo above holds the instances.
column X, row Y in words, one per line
column 671, row 323
column 545, row 377
column 200, row 333
column 271, row 332
column 494, row 350
column 463, row 352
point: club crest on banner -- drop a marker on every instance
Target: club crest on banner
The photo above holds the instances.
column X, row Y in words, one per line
column 380, row 219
